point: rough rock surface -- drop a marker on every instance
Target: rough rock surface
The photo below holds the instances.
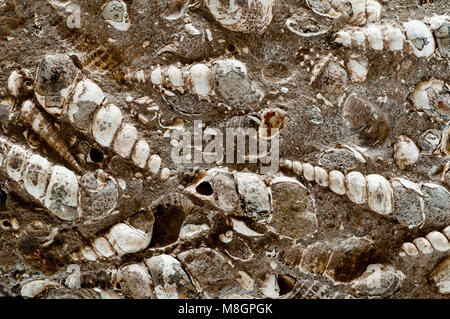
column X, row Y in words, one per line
column 223, row 230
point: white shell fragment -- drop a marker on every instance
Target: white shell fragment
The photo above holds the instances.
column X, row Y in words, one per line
column 126, row 239
column 125, row 140
column 356, row 187
column 170, row 279
column 373, row 11
column 140, row 153
column 297, row 167
column 16, row 161
column 337, row 182
column 406, row 153
column 321, row 176
column 423, row 245
column 441, row 276
column 154, row 164
column 106, row 122
column 308, row 172
column 379, row 194
column 201, row 78
column 410, row 249
column 394, row 37
column 87, row 97
column 379, row 280
column 15, row 83
column 33, row 288
column 431, row 97
column 438, row 241
column 115, row 13
column 358, row 68
column 88, row 253
column 36, row 176
column 374, row 37
column 102, row 247
column 175, row 76
column 247, row 16
column 446, row 232
column 62, row 193
column 420, row 38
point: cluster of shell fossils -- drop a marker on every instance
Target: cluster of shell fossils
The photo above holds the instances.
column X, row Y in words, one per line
column 97, row 209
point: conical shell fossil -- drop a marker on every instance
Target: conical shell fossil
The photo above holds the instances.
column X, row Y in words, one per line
column 56, row 187
column 433, row 241
column 83, row 105
column 33, row 117
column 226, row 80
column 413, row 36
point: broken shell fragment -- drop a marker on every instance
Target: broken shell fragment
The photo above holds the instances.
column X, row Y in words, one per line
column 175, row 9
column 433, row 98
column 420, row 38
column 409, row 204
column 15, row 163
column 255, row 196
column 323, row 8
column 170, row 279
column 429, row 141
column 373, row 11
column 247, row 16
column 358, row 68
column 441, row 276
column 55, row 80
column 353, row 11
column 379, row 280
column 62, row 193
column 33, row 288
column 234, row 85
column 406, row 153
column 305, row 24
column 115, row 13
column 87, row 97
column 36, row 175
column 442, row 34
column 135, row 281
column 126, row 239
